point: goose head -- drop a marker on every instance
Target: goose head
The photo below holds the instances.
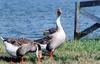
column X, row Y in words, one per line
column 58, row 24
column 59, row 12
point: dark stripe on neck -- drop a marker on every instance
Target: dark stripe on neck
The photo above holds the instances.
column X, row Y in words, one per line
column 48, row 48
column 18, row 52
column 39, row 47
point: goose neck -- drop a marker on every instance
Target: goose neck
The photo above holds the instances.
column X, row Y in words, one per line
column 59, row 23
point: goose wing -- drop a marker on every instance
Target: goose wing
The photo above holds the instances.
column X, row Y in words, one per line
column 50, row 31
column 23, row 49
column 16, row 41
column 44, row 40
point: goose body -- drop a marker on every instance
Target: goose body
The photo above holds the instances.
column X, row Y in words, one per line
column 13, row 44
column 18, row 47
column 55, row 37
column 11, row 49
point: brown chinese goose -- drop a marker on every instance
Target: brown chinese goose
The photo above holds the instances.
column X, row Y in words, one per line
column 55, row 37
column 18, row 47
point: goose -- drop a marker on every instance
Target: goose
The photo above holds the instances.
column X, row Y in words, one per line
column 54, row 38
column 18, row 47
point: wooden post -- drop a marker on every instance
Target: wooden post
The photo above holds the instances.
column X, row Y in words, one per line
column 89, row 3
column 78, row 6
column 76, row 23
column 89, row 30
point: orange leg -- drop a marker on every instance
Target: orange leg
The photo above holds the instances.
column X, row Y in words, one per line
column 39, row 57
column 39, row 60
column 12, row 61
column 22, row 61
column 51, row 55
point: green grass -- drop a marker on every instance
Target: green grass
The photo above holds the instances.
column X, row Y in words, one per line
column 83, row 51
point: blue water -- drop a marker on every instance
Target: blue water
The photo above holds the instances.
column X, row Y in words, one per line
column 29, row 18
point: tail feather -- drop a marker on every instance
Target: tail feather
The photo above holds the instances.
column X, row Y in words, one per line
column 2, row 38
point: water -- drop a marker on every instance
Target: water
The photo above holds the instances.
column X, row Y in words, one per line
column 29, row 18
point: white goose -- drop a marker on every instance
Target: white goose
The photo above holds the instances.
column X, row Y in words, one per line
column 18, row 47
column 55, row 37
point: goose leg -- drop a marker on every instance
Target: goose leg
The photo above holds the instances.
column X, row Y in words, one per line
column 52, row 55
column 39, row 57
column 12, row 62
column 22, row 60
column 39, row 60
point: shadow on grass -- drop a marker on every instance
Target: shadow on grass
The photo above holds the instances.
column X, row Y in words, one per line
column 9, row 59
column 5, row 58
column 16, row 60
